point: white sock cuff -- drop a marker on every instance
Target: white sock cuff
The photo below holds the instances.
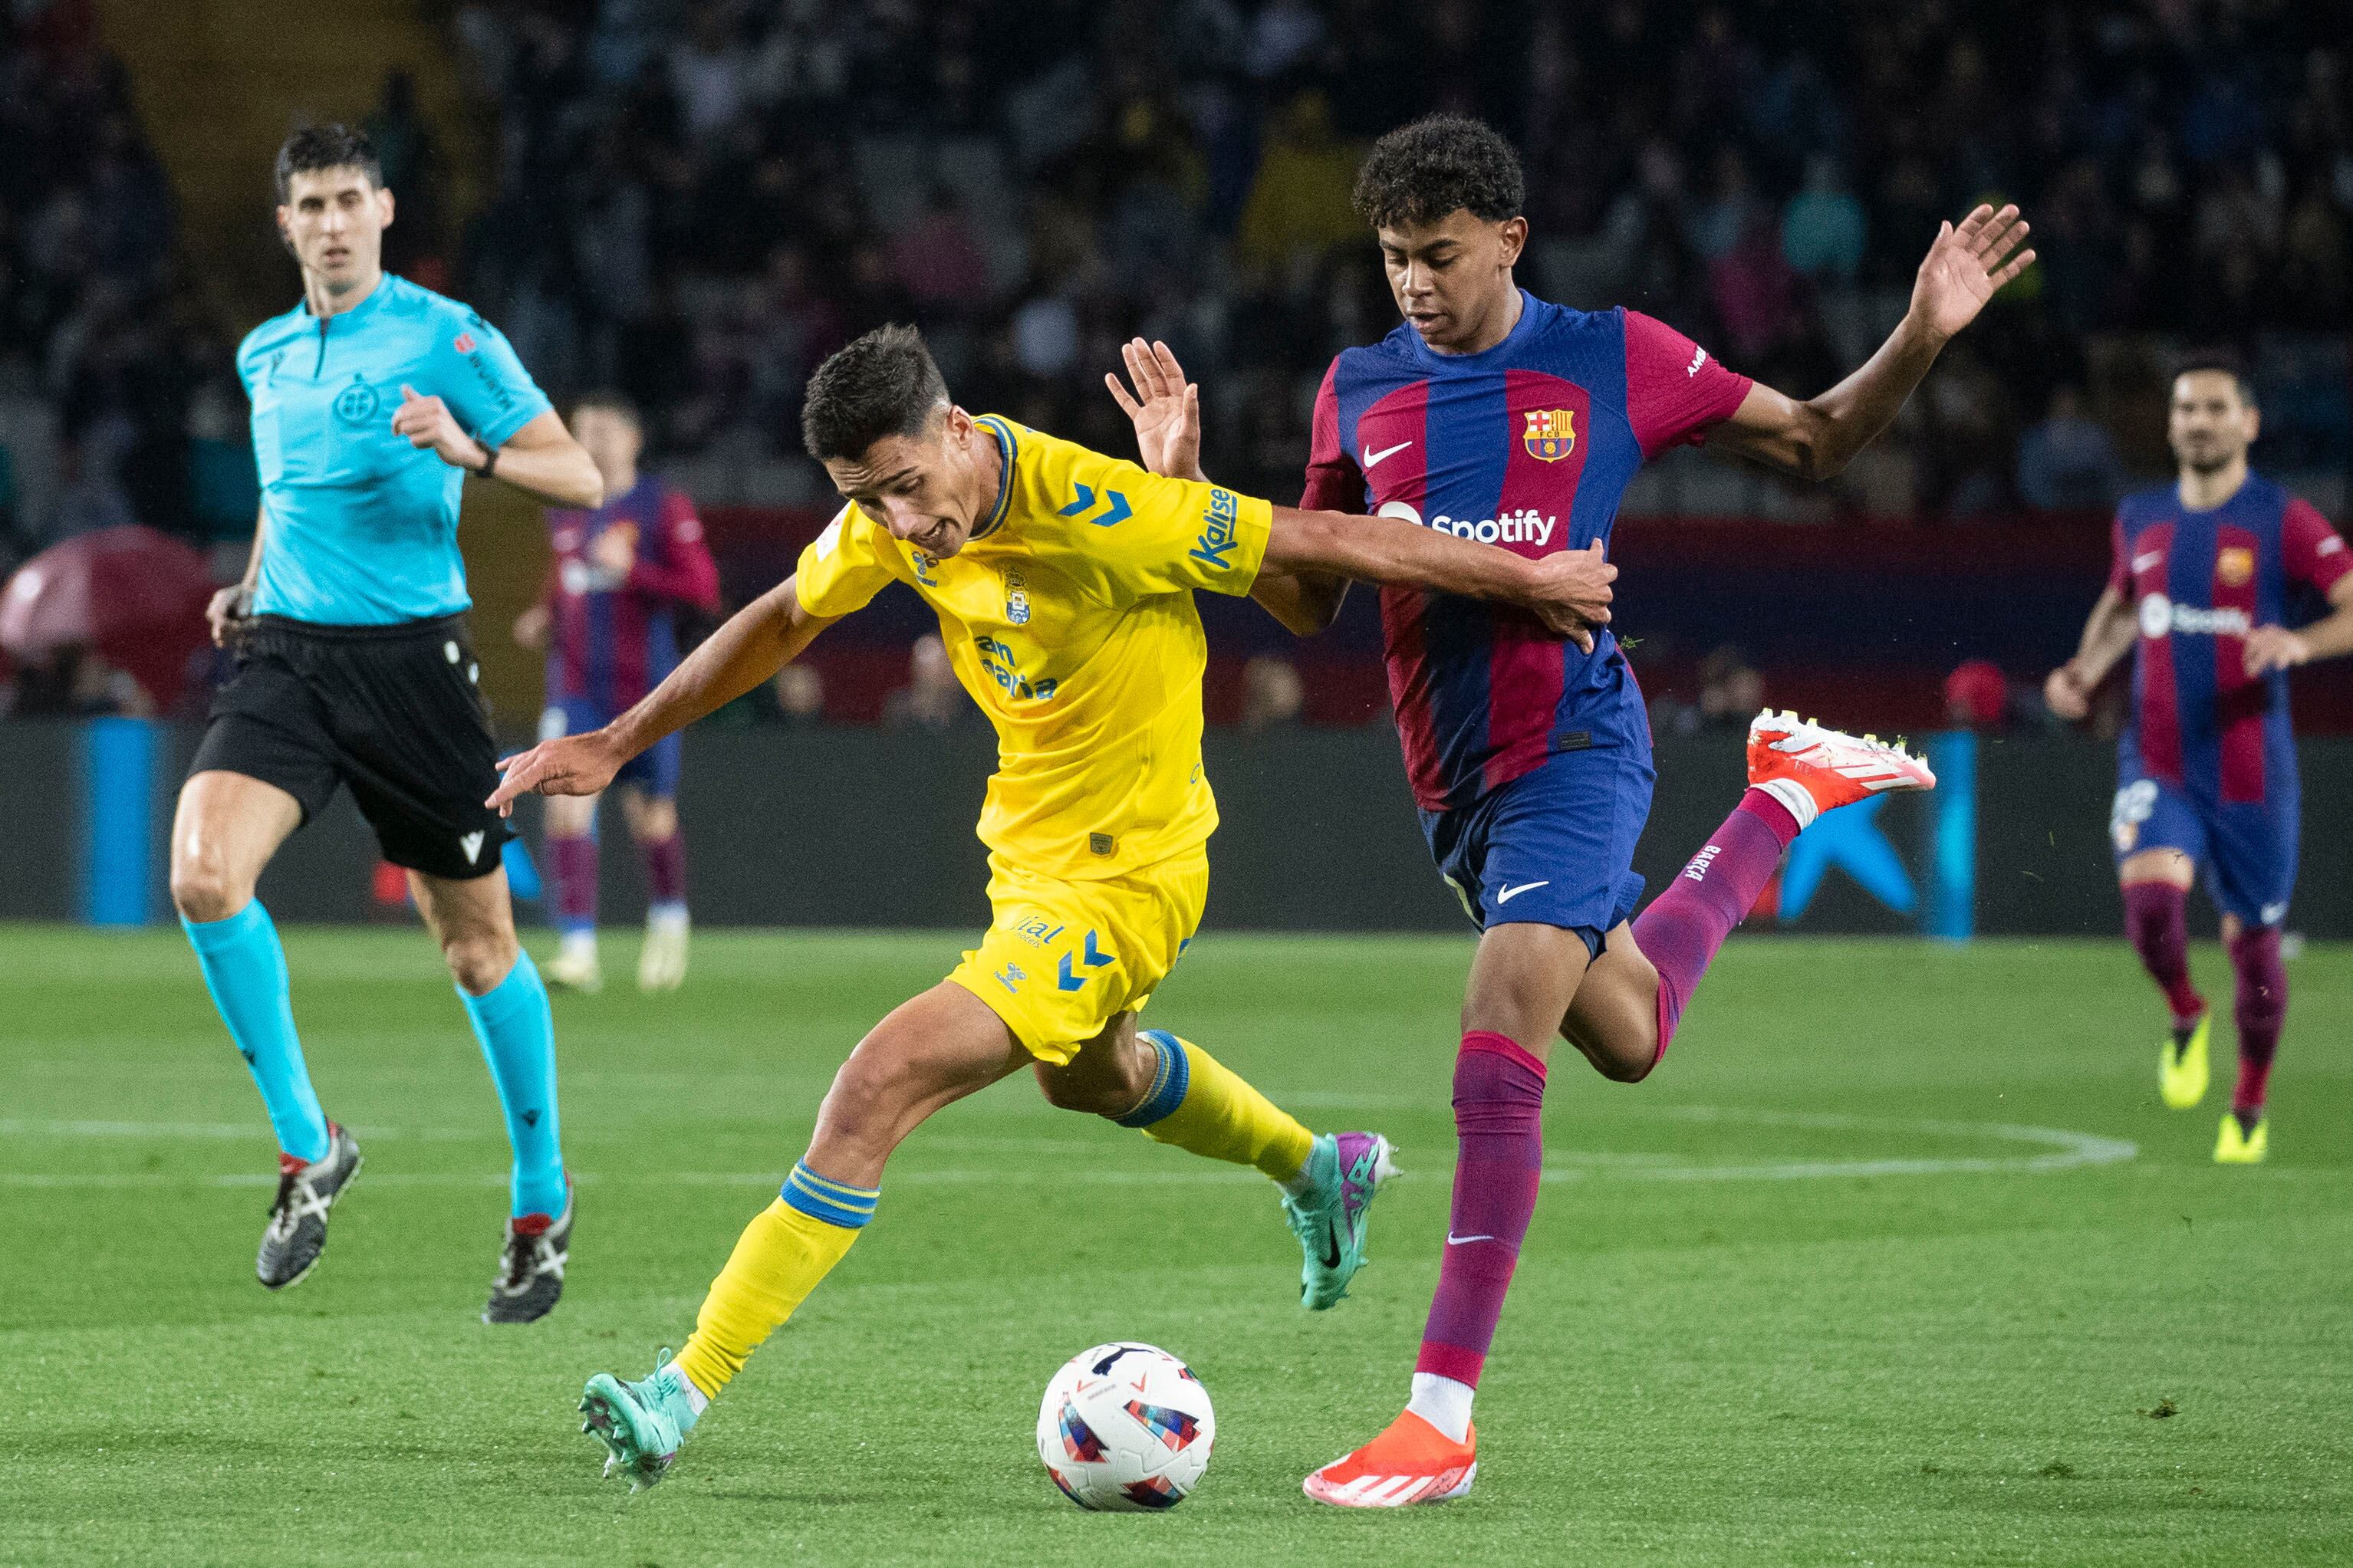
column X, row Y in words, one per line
column 1442, row 1402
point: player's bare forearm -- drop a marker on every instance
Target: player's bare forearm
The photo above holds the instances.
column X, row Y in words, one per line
column 1968, row 265
column 1305, row 601
column 749, row 647
column 1568, row 591
column 545, row 462
column 2108, row 635
column 755, row 642
column 2273, row 647
column 1817, row 438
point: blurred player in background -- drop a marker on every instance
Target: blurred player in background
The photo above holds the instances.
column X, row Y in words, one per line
column 372, row 401
column 1063, row 581
column 2198, row 594
column 608, row 625
column 1493, row 416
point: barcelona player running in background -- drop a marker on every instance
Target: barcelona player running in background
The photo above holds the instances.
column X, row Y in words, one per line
column 1063, row 581
column 2198, row 596
column 1498, row 417
column 609, row 623
column 373, row 399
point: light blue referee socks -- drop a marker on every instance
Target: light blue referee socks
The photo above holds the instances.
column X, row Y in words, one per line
column 244, row 969
column 518, row 1037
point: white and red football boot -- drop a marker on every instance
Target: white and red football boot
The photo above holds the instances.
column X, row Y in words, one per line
column 1410, row 1462
column 1811, row 770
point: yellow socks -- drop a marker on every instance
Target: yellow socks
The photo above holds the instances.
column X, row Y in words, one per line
column 1199, row 1104
column 794, row 1243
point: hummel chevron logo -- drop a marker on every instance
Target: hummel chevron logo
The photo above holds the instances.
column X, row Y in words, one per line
column 1115, row 508
column 1373, row 458
column 1094, row 958
column 1508, row 894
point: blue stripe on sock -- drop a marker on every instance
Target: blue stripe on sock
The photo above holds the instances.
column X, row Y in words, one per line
column 244, row 969
column 1170, row 1079
column 518, row 1035
column 823, row 1198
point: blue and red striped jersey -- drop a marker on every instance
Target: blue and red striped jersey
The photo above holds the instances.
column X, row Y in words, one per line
column 1527, row 446
column 2200, row 581
column 615, row 634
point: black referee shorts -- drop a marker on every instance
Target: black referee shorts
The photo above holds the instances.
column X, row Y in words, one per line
column 396, row 712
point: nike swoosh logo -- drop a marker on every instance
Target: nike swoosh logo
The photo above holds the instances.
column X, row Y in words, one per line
column 1508, row 894
column 2143, row 563
column 1454, row 1240
column 1332, row 1246
column 1372, row 458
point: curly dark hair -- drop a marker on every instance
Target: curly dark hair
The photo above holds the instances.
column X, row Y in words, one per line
column 883, row 385
column 1420, row 173
column 330, row 146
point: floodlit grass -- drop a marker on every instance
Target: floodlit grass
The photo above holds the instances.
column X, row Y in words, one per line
column 1897, row 1259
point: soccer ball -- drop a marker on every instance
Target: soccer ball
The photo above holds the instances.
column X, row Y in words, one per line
column 1126, row 1427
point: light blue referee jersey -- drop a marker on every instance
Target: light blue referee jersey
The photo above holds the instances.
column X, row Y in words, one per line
column 362, row 528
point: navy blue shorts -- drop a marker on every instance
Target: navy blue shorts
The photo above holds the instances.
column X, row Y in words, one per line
column 2245, row 851
column 653, row 770
column 1554, row 846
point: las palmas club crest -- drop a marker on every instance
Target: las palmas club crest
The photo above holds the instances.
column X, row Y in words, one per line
column 1551, row 434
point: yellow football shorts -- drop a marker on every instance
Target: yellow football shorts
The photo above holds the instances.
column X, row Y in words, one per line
column 1062, row 959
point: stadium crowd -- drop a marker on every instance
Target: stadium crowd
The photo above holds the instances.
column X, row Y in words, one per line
column 696, row 200
column 700, row 200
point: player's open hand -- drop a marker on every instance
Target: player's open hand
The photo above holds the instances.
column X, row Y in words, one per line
column 427, row 423
column 1165, row 409
column 1571, row 592
column 2273, row 647
column 576, row 765
column 1967, row 266
column 2065, row 693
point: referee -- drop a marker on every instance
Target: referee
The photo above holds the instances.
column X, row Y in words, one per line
column 372, row 401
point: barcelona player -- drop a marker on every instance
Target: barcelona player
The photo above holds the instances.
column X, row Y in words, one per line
column 1063, row 584
column 2199, row 595
column 373, row 399
column 1495, row 416
column 609, row 621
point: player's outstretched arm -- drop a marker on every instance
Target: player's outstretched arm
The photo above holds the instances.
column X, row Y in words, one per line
column 755, row 642
column 1166, row 410
column 1568, row 589
column 1817, row 437
column 541, row 460
column 2108, row 635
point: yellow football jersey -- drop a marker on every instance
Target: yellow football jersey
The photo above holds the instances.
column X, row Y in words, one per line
column 1069, row 616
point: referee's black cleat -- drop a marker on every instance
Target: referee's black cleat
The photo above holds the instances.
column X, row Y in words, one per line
column 531, row 1265
column 296, row 1232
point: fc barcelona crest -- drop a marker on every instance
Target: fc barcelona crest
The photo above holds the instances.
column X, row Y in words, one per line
column 1551, row 434
column 2234, row 567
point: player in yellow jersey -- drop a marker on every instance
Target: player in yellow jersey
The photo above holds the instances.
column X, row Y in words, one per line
column 1063, row 582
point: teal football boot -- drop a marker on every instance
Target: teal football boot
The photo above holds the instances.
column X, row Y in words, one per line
column 1349, row 1169
column 641, row 1424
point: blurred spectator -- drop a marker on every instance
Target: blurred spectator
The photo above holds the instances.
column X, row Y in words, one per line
column 1977, row 695
column 1271, row 694
column 89, row 498
column 2068, row 462
column 1300, row 200
column 1731, row 690
column 800, row 696
column 931, row 700
column 1823, row 228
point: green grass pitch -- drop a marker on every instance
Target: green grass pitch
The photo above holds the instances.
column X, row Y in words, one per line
column 1891, row 1262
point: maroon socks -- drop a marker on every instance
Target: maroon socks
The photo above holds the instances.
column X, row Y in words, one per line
column 664, row 870
column 1684, row 925
column 2261, row 1009
column 572, row 876
column 1499, row 1128
column 2156, row 920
